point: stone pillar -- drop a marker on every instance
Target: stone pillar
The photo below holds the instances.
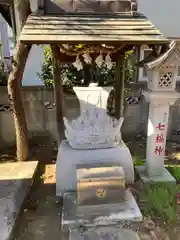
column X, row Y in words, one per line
column 159, row 103
column 162, row 75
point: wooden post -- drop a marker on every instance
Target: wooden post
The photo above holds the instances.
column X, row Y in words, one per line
column 138, row 56
column 58, row 91
column 119, row 87
column 87, row 74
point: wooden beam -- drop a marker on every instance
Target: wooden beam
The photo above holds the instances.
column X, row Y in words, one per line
column 119, row 87
column 58, row 92
column 138, row 57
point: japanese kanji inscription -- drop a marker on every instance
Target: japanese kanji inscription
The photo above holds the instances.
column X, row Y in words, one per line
column 160, row 139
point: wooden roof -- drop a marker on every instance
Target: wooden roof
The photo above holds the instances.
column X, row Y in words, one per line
column 90, row 28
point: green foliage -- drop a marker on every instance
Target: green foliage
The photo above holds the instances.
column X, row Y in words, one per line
column 71, row 77
column 130, row 68
column 46, row 70
column 138, row 160
column 160, row 201
column 175, row 171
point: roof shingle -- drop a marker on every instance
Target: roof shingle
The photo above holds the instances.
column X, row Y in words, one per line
column 89, row 27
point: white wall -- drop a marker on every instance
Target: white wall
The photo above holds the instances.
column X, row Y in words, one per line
column 33, row 65
column 165, row 14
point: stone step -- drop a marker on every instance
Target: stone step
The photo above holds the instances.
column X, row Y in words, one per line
column 15, row 183
column 104, row 233
column 131, row 212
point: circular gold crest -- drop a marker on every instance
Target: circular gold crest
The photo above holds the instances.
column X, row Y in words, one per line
column 101, row 193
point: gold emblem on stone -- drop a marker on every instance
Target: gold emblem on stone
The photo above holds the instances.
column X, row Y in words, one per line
column 101, row 193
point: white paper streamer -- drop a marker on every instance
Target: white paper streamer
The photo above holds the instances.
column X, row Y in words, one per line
column 108, row 61
column 87, row 58
column 78, row 64
column 99, row 60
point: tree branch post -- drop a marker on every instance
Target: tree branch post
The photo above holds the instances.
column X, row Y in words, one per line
column 14, row 84
column 14, row 92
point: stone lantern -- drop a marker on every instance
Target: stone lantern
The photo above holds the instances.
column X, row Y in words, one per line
column 161, row 94
column 163, row 72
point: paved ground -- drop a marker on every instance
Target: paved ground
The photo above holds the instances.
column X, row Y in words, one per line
column 41, row 217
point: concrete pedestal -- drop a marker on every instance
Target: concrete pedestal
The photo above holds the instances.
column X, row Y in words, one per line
column 165, row 176
column 130, row 212
column 68, row 158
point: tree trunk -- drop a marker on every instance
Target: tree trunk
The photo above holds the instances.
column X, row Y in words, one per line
column 14, row 92
column 14, row 84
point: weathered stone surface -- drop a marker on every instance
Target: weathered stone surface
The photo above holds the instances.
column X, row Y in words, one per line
column 94, row 127
column 164, row 177
column 97, row 185
column 68, row 158
column 108, row 233
column 131, row 212
column 15, row 182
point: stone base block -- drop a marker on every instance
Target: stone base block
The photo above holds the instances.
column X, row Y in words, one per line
column 131, row 212
column 68, row 158
column 104, row 233
column 164, row 177
column 16, row 180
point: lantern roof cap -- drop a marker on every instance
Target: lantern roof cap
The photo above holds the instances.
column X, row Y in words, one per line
column 171, row 54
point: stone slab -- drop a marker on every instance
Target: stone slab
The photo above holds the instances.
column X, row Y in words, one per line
column 68, row 159
column 165, row 177
column 110, row 233
column 15, row 182
column 131, row 212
